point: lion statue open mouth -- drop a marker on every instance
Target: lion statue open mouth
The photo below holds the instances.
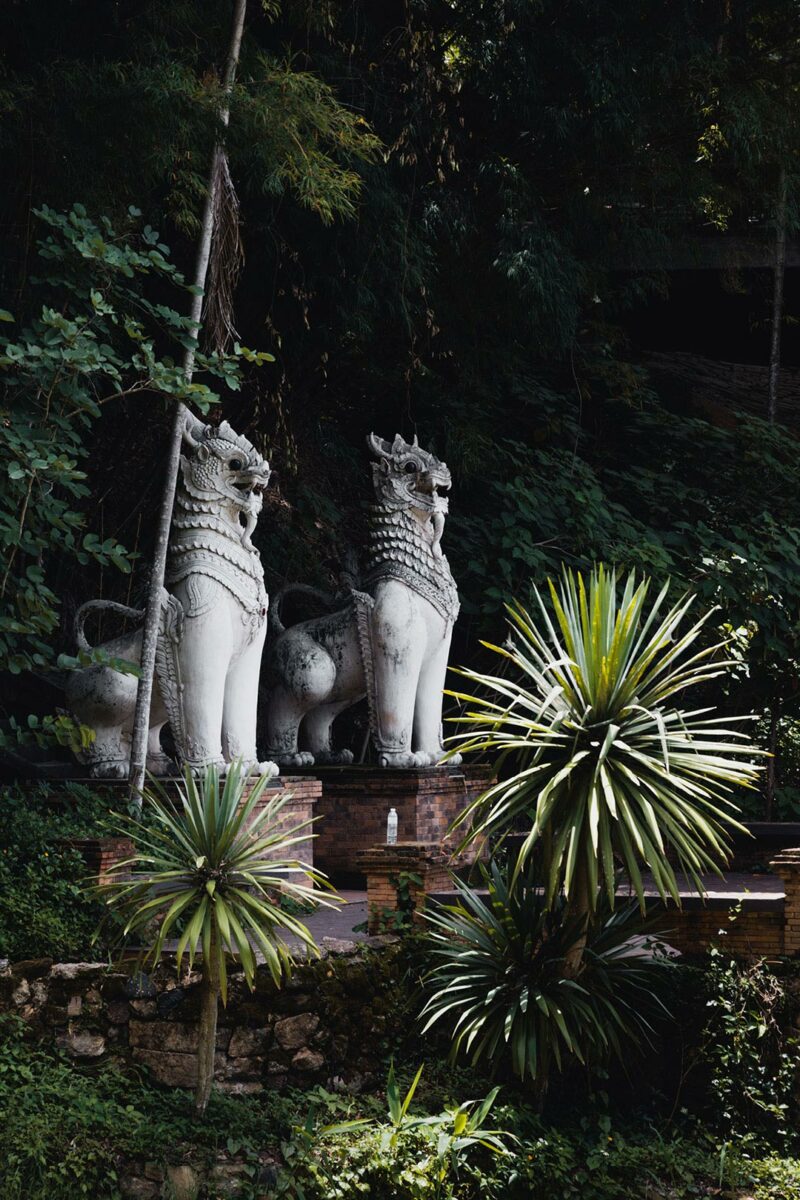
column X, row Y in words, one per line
column 389, row 641
column 213, row 623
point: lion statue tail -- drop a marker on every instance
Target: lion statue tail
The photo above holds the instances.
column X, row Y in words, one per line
column 90, row 606
column 276, row 625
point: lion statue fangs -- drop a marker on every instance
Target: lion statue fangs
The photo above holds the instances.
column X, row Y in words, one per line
column 212, row 631
column 390, row 641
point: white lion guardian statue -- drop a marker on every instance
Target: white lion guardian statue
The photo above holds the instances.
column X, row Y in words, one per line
column 213, row 624
column 389, row 641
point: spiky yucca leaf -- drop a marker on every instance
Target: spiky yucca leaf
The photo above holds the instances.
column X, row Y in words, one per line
column 218, row 867
column 609, row 768
column 501, row 984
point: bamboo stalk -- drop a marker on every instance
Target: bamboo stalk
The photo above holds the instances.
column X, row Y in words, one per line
column 141, row 720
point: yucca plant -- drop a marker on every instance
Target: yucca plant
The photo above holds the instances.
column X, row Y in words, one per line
column 502, row 984
column 596, row 755
column 209, row 870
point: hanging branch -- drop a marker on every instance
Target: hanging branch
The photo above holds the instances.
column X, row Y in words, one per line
column 227, row 258
column 217, row 202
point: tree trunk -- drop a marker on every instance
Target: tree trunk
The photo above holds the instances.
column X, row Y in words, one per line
column 777, row 296
column 579, row 908
column 141, row 721
column 207, row 1033
column 772, row 744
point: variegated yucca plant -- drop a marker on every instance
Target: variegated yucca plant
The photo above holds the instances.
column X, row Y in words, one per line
column 598, row 756
column 211, row 866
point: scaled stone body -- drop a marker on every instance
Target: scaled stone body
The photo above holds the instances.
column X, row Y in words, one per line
column 213, row 623
column 390, row 642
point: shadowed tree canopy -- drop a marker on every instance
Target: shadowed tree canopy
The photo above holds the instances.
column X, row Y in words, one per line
column 527, row 232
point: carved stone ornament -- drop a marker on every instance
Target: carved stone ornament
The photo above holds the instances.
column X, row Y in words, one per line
column 389, row 641
column 213, row 623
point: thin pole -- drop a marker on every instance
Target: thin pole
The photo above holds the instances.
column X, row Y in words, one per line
column 777, row 297
column 141, row 720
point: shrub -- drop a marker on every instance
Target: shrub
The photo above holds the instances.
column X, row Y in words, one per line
column 501, row 981
column 44, row 909
column 753, row 1057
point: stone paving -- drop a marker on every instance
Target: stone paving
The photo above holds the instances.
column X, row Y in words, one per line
column 753, row 890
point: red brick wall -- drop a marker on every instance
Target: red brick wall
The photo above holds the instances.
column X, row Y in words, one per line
column 355, row 803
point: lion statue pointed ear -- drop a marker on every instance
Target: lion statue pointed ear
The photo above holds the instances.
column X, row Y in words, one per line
column 193, row 431
column 379, row 447
column 399, row 444
column 415, row 442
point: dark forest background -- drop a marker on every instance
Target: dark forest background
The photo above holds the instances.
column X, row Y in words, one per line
column 539, row 235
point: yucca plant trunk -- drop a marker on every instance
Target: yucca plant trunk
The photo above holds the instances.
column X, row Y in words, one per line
column 207, row 1041
column 580, row 909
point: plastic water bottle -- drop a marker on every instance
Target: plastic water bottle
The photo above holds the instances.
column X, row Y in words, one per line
column 391, row 827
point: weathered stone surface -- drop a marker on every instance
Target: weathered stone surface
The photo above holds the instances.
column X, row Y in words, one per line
column 140, row 987
column 170, row 1036
column 71, row 972
column 240, row 1087
column 167, row 1036
column 184, row 1181
column 21, row 994
column 225, row 1179
column 74, row 1006
column 339, row 945
column 308, row 1060
column 174, row 1070
column 293, row 1032
column 241, row 1068
column 118, row 1012
column 81, row 1043
column 31, row 968
column 134, row 1187
column 246, row 1042
column 143, row 1008
column 170, row 1000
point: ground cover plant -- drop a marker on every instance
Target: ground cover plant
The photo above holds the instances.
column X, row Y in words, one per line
column 67, row 1132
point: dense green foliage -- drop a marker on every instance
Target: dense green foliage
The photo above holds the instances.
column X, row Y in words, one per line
column 493, row 279
column 754, row 1058
column 44, row 908
column 66, row 1133
column 500, row 983
column 97, row 339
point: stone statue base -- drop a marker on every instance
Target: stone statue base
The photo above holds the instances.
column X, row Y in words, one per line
column 355, row 803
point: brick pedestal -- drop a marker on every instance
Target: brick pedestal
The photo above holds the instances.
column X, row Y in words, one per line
column 304, row 793
column 355, row 803
column 387, row 869
column 787, row 866
column 101, row 854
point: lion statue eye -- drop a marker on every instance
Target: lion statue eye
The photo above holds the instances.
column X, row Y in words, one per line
column 411, row 468
column 235, row 464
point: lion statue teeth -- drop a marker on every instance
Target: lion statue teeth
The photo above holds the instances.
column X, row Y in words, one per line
column 213, row 624
column 389, row 641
